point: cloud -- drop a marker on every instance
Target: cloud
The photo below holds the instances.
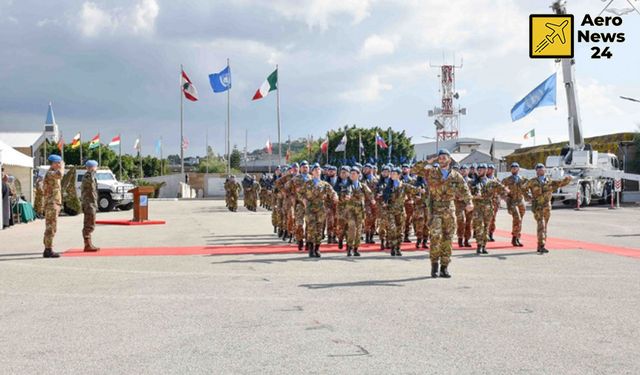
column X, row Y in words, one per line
column 377, row 45
column 138, row 19
column 370, row 90
column 320, row 13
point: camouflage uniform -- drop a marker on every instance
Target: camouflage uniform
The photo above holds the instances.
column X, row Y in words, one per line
column 315, row 194
column 442, row 224
column 52, row 204
column 331, row 213
column 232, row 192
column 275, row 204
column 484, row 192
column 89, row 198
column 408, row 207
column 295, row 188
column 541, row 190
column 358, row 196
column 251, row 191
column 370, row 208
column 421, row 212
column 288, row 204
column 515, row 202
column 394, row 197
column 341, row 188
column 496, row 208
column 39, row 198
column 382, row 219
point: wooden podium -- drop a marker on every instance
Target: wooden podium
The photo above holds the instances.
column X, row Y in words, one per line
column 141, row 202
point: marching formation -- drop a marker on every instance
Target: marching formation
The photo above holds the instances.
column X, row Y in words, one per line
column 435, row 199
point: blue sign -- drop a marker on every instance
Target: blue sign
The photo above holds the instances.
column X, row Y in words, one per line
column 144, row 201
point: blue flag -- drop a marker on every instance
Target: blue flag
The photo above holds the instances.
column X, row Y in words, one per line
column 159, row 146
column 543, row 95
column 221, row 82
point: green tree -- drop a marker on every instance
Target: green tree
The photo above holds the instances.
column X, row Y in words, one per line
column 236, row 157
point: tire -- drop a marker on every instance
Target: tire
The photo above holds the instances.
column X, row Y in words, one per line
column 127, row 207
column 586, row 194
column 69, row 211
column 105, row 203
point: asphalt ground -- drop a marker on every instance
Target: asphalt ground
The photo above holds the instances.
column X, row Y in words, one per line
column 511, row 312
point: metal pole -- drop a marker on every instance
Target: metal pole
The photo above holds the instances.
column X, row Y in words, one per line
column 161, row 157
column 206, row 150
column 120, row 156
column 80, row 162
column 181, row 124
column 99, row 150
column 278, row 115
column 228, row 127
column 140, row 155
column 246, row 139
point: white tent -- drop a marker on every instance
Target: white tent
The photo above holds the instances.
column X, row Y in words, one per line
column 19, row 165
column 14, row 158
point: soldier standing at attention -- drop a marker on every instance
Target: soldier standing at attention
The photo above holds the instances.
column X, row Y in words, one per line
column 463, row 219
column 314, row 193
column 445, row 186
column 408, row 204
column 39, row 199
column 232, row 192
column 484, row 192
column 541, row 188
column 251, row 191
column 89, row 197
column 357, row 197
column 295, row 189
column 289, row 202
column 382, row 220
column 275, row 202
column 370, row 209
column 341, row 188
column 331, row 178
column 515, row 202
column 491, row 169
column 394, row 196
column 52, row 203
column 421, row 212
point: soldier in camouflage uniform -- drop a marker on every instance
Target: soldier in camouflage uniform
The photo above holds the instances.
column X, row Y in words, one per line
column 445, row 186
column 341, row 188
column 52, row 203
column 407, row 178
column 463, row 220
column 89, row 199
column 421, row 212
column 288, row 202
column 382, row 220
column 263, row 191
column 232, row 192
column 275, row 201
column 515, row 202
column 370, row 207
column 484, row 192
column 314, row 193
column 294, row 187
column 331, row 209
column 394, row 197
column 251, row 192
column 496, row 202
column 39, row 199
column 357, row 197
column 540, row 189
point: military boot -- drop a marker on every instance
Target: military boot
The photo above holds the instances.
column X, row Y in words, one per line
column 424, row 244
column 301, row 245
column 434, row 270
column 406, row 238
column 371, row 240
column 460, row 244
column 543, row 250
column 393, row 251
column 518, row 243
column 514, row 241
column 348, row 251
column 466, row 243
column 340, row 244
column 280, row 233
column 382, row 245
column 479, row 249
column 306, row 246
column 49, row 253
column 284, row 235
column 444, row 272
column 418, row 241
column 398, row 252
column 88, row 246
column 316, row 250
column 275, row 229
column 491, row 238
column 312, row 253
column 355, row 252
column 484, row 250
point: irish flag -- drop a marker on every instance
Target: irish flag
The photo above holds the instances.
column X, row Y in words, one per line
column 95, row 142
column 115, row 142
column 531, row 133
column 75, row 142
column 267, row 86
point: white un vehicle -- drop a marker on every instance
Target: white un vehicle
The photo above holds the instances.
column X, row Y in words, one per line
column 111, row 192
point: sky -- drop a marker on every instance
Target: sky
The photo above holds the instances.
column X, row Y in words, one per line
column 113, row 67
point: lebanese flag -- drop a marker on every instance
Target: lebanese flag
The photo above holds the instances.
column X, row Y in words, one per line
column 269, row 147
column 75, row 142
column 325, row 146
column 188, row 89
column 267, row 86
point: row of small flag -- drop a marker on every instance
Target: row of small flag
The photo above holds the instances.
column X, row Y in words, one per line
column 115, row 143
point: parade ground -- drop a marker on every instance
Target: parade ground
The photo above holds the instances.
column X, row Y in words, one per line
column 215, row 292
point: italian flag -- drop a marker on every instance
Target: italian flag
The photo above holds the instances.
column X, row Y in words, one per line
column 75, row 142
column 267, row 86
column 115, row 142
column 269, row 147
column 95, row 142
column 531, row 133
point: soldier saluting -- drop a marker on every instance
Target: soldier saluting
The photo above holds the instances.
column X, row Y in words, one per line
column 541, row 188
column 515, row 202
column 89, row 197
column 52, row 203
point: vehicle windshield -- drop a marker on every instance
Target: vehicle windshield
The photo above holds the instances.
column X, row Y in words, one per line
column 104, row 176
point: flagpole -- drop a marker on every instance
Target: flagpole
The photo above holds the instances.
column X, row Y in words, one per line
column 80, row 139
column 181, row 124
column 120, row 156
column 270, row 154
column 140, row 155
column 278, row 115
column 161, row 157
column 346, row 140
column 206, row 149
column 99, row 151
column 246, row 140
column 228, row 125
column 359, row 147
column 376, row 147
column 390, row 145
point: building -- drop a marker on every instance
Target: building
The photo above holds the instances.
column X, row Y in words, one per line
column 469, row 150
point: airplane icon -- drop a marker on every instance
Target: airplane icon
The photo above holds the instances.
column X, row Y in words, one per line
column 556, row 31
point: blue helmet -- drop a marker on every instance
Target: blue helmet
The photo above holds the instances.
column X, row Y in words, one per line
column 91, row 163
column 482, row 166
column 355, row 169
column 345, row 168
column 386, row 168
column 464, row 166
column 315, row 165
column 444, row 151
column 539, row 165
column 491, row 166
column 515, row 165
column 54, row 158
column 397, row 170
column 303, row 163
column 295, row 165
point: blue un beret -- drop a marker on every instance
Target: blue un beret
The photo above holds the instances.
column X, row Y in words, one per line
column 444, row 151
column 491, row 166
column 295, row 165
column 315, row 165
column 54, row 158
column 91, row 163
column 482, row 166
column 515, row 165
column 464, row 166
column 345, row 168
column 303, row 163
column 397, row 170
column 355, row 169
column 539, row 165
column 386, row 168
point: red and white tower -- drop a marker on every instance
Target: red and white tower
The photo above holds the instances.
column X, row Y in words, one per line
column 447, row 116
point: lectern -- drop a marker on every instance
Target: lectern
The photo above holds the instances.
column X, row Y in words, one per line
column 141, row 202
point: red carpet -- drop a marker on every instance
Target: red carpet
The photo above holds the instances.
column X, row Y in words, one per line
column 129, row 222
column 528, row 240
